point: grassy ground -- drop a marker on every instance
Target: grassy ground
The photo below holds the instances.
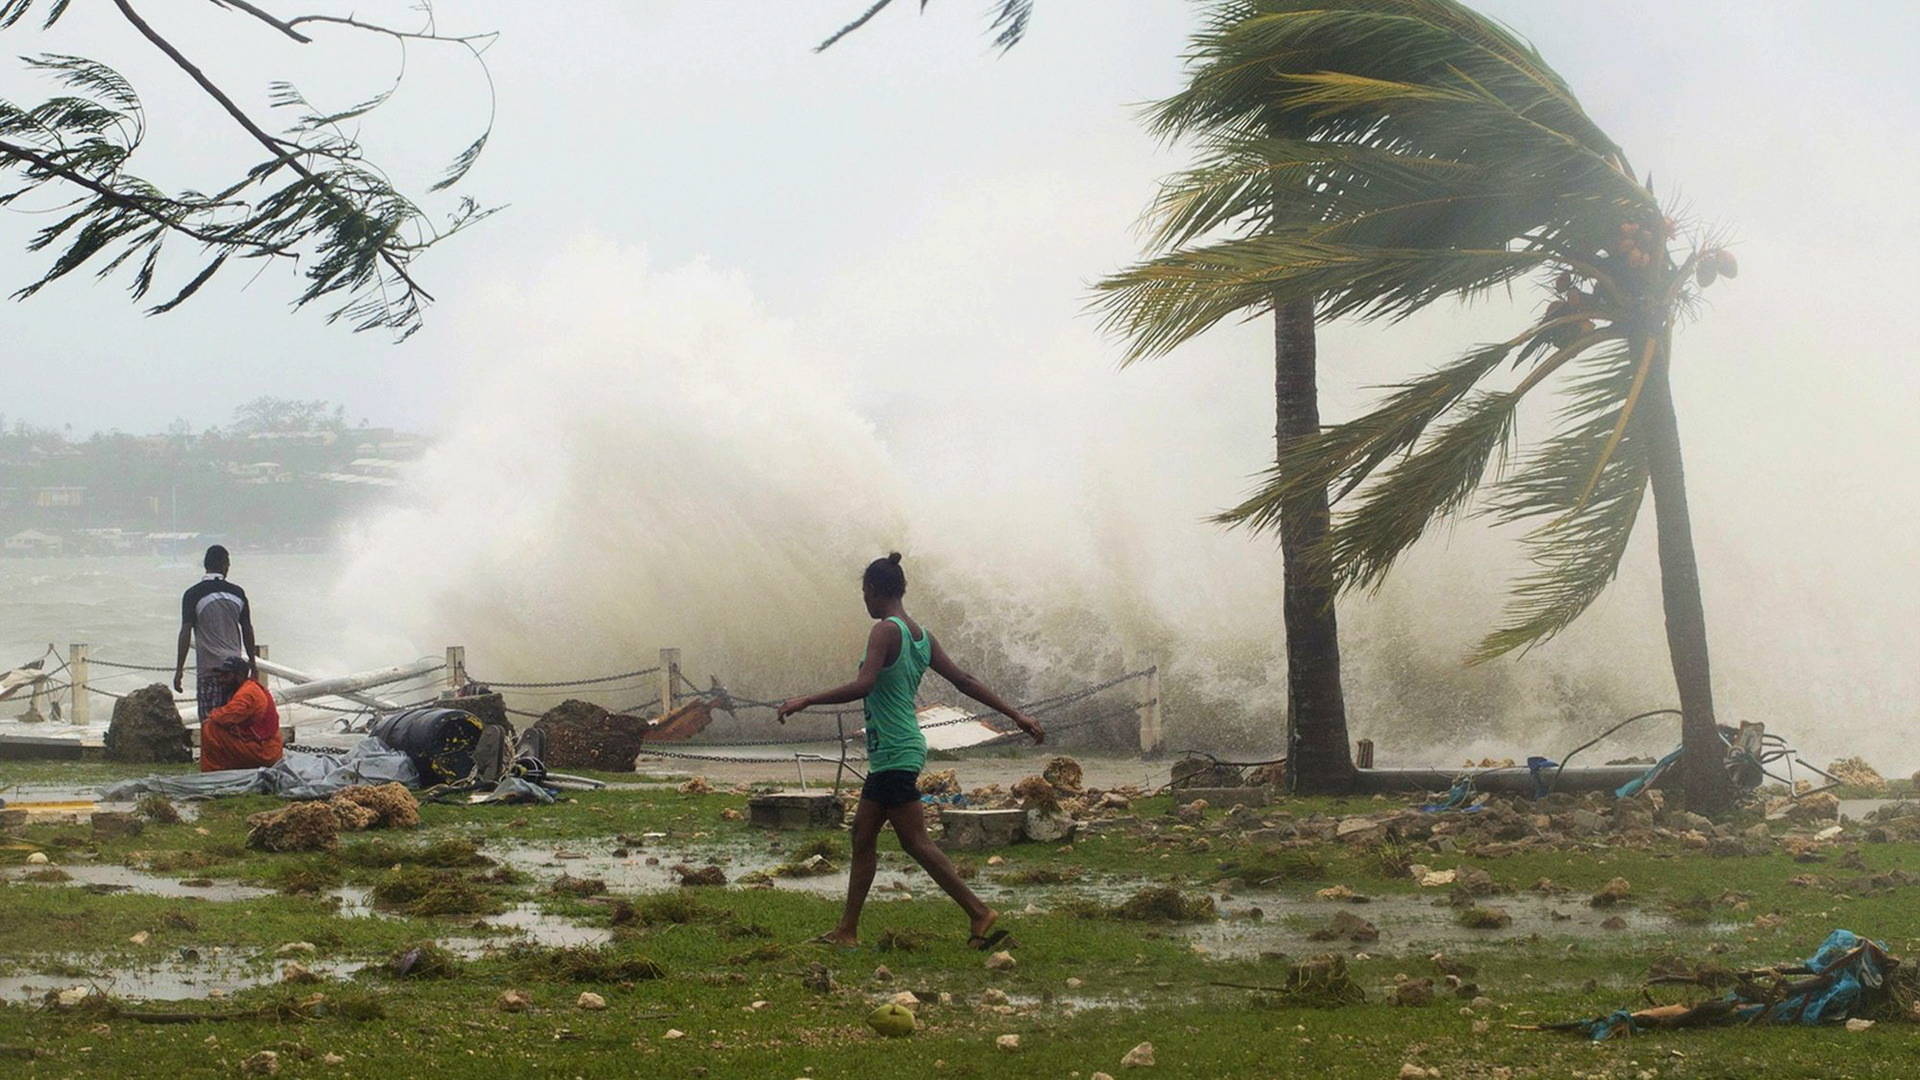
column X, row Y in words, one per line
column 732, row 963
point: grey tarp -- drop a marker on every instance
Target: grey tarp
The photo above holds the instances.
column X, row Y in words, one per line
column 298, row 775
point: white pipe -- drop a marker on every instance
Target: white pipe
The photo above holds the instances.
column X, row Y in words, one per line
column 301, row 678
column 345, row 685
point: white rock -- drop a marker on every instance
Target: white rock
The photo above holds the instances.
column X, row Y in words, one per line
column 674, row 1033
column 1009, row 1043
column 993, row 997
column 1002, row 961
column 906, row 998
column 141, row 938
column 1857, row 1024
column 1139, row 1057
column 1410, row 1071
column 1433, row 879
column 73, row 996
column 38, row 858
column 1101, row 1076
column 1075, row 982
column 1829, row 833
column 332, row 1059
column 591, row 1001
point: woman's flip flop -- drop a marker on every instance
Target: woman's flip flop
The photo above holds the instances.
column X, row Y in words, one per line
column 983, row 942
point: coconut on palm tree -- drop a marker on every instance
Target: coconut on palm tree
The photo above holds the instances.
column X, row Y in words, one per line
column 1413, row 150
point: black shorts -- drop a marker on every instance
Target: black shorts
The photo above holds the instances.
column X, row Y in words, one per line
column 894, row 787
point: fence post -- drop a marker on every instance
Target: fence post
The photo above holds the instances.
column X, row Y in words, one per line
column 456, row 669
column 37, row 706
column 260, row 651
column 77, row 674
column 669, row 678
column 1152, row 735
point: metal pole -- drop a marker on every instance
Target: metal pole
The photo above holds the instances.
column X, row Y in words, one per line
column 77, row 673
column 669, row 678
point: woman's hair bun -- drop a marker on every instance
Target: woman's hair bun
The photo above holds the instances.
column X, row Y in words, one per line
column 893, row 557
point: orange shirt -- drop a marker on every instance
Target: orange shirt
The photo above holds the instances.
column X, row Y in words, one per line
column 242, row 734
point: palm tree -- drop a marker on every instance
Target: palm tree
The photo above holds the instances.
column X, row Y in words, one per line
column 1427, row 152
column 1235, row 188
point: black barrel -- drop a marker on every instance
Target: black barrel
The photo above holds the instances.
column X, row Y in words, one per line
column 440, row 741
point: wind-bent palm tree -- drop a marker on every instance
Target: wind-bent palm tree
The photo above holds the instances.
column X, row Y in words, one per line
column 1237, row 188
column 1432, row 154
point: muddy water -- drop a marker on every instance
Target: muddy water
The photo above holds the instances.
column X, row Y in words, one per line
column 125, row 878
column 632, row 873
column 81, row 793
column 1413, row 924
column 194, row 976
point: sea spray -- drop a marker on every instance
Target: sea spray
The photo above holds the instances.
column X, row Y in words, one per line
column 643, row 457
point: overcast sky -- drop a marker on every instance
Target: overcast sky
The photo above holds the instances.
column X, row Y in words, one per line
column 916, row 219
column 708, row 129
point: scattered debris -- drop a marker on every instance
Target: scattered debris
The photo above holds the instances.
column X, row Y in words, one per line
column 1001, row 961
column 1064, row 774
column 1346, row 926
column 1613, row 892
column 158, row 809
column 513, row 1001
column 696, row 786
column 1163, row 903
column 1413, row 992
column 300, row 826
column 1008, row 1043
column 940, row 782
column 1485, row 918
column 1854, row 772
column 706, row 875
column 590, row 1001
column 1140, row 1057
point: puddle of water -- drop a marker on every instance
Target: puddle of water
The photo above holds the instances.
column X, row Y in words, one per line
column 172, row 980
column 22, row 793
column 631, row 873
column 528, row 923
column 1858, row 809
column 1410, row 924
column 113, row 876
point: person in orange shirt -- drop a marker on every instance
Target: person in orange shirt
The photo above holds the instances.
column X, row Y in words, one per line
column 245, row 732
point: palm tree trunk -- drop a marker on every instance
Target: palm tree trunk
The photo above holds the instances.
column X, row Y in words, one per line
column 1702, row 768
column 1319, row 760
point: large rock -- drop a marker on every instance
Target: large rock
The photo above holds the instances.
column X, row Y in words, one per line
column 147, row 729
column 582, row 735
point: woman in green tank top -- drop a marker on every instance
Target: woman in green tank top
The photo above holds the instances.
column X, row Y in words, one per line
column 899, row 652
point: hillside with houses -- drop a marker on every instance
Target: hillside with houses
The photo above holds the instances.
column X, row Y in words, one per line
column 285, row 472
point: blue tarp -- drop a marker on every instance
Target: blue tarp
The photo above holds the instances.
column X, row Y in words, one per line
column 1846, row 969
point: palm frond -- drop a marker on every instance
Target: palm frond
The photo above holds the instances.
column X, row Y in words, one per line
column 1577, row 552
column 1161, row 304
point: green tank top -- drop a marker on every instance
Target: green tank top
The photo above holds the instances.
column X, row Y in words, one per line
column 894, row 739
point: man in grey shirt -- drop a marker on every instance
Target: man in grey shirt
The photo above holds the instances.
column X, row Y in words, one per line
column 216, row 621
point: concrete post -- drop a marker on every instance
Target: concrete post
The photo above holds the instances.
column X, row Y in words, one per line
column 1152, row 734
column 77, row 674
column 669, row 678
column 456, row 669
